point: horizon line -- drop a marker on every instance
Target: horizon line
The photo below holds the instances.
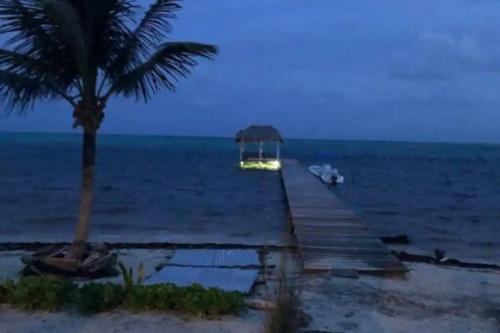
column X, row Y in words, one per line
column 488, row 143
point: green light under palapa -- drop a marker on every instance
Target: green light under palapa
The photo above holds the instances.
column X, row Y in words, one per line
column 261, row 165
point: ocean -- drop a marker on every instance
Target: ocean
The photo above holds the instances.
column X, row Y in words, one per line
column 190, row 189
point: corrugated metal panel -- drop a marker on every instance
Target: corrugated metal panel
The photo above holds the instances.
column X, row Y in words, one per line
column 216, row 258
column 228, row 279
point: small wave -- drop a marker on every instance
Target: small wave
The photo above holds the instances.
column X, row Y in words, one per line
column 485, row 244
column 436, row 230
column 115, row 210
column 464, row 195
column 51, row 220
column 382, row 212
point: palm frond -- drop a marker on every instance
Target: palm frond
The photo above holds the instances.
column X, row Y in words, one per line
column 35, row 43
column 26, row 26
column 170, row 62
column 20, row 91
column 42, row 68
column 16, row 62
column 66, row 19
column 107, row 27
column 59, row 47
column 155, row 24
column 150, row 32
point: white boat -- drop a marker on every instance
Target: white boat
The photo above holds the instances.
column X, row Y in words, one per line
column 327, row 174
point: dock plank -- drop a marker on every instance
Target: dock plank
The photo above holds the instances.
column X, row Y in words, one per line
column 330, row 235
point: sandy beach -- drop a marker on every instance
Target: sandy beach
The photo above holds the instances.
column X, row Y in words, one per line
column 428, row 299
column 125, row 322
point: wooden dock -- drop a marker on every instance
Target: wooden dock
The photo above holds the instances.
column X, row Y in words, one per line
column 330, row 236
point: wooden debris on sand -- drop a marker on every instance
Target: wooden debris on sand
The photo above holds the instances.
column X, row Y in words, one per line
column 97, row 262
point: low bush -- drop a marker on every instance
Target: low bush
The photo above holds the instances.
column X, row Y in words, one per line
column 3, row 294
column 211, row 301
column 39, row 293
column 162, row 297
column 51, row 294
column 194, row 299
column 99, row 297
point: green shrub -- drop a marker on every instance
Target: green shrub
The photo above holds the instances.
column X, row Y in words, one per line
column 220, row 302
column 51, row 293
column 99, row 297
column 194, row 299
column 128, row 276
column 39, row 293
column 162, row 297
column 197, row 300
column 3, row 294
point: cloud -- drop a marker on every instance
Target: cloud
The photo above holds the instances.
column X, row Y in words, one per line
column 444, row 56
column 437, row 38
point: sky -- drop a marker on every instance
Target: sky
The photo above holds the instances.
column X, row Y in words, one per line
column 422, row 70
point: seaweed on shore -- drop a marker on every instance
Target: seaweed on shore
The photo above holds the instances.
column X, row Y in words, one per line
column 440, row 259
column 401, row 239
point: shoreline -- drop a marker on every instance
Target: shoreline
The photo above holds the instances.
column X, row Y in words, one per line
column 428, row 298
column 34, row 246
column 397, row 250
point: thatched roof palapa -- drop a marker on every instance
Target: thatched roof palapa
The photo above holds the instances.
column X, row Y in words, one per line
column 256, row 133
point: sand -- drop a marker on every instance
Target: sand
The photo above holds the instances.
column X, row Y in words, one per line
column 13, row 321
column 428, row 299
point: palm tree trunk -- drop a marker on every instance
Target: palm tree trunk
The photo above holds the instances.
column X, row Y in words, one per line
column 77, row 249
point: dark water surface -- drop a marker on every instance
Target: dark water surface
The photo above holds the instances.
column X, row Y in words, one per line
column 151, row 188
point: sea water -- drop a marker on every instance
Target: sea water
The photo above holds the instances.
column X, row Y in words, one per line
column 186, row 189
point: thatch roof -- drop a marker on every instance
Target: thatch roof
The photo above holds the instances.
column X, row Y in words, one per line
column 256, row 133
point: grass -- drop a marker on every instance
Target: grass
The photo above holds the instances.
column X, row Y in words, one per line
column 53, row 294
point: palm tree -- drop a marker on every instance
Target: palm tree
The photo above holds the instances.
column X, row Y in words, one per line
column 84, row 52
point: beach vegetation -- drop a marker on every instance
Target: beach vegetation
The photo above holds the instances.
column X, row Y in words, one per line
column 128, row 276
column 99, row 297
column 193, row 299
column 38, row 293
column 52, row 294
column 84, row 53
